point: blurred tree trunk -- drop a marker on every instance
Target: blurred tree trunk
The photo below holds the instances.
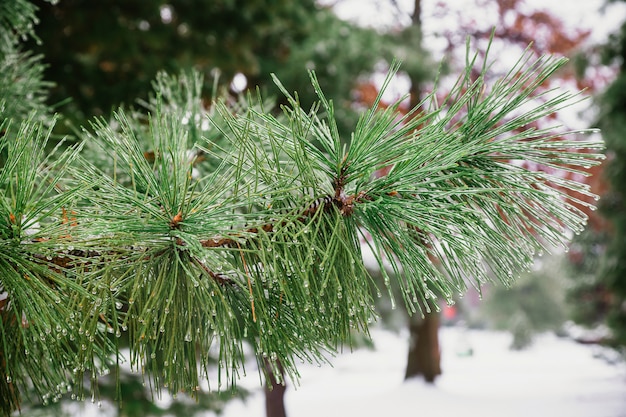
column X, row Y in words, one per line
column 275, row 392
column 424, row 354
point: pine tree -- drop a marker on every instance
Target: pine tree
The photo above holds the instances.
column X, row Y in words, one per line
column 598, row 256
column 190, row 230
column 107, row 53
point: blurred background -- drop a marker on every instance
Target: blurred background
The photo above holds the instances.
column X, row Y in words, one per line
column 554, row 343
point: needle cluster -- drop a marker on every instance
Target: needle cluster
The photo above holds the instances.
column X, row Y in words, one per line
column 193, row 233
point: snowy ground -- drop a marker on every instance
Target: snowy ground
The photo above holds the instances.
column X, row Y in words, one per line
column 556, row 377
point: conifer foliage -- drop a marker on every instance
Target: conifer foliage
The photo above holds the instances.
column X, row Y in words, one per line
column 188, row 231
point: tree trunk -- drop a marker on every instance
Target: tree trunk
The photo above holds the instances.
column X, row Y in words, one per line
column 424, row 354
column 275, row 392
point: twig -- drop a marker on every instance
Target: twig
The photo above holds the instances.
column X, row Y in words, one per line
column 245, row 267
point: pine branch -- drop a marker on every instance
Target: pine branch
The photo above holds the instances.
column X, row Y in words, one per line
column 17, row 19
column 41, row 335
column 22, row 89
column 261, row 242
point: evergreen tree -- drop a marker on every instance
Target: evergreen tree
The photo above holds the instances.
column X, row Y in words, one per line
column 598, row 256
column 195, row 230
column 106, row 53
column 535, row 303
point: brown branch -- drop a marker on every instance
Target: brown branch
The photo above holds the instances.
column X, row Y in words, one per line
column 66, row 260
column 75, row 256
column 231, row 241
column 219, row 278
column 344, row 203
column 245, row 267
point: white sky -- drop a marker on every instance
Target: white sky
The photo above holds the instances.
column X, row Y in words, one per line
column 592, row 15
column 586, row 14
column 577, row 13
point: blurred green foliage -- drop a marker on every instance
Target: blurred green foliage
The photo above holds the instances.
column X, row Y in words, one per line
column 139, row 402
column 101, row 54
column 533, row 304
column 598, row 256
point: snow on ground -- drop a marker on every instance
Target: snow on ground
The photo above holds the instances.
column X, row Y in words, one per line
column 555, row 377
